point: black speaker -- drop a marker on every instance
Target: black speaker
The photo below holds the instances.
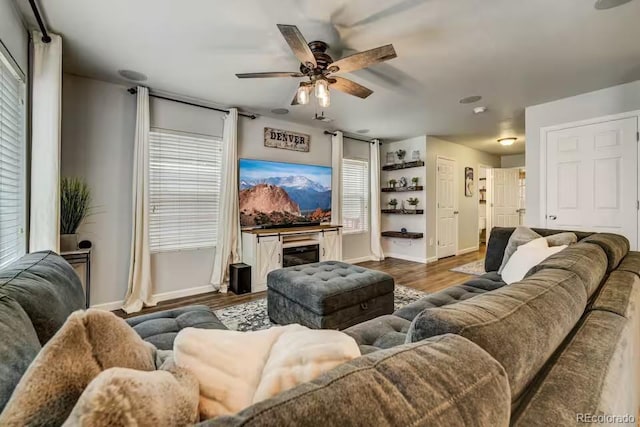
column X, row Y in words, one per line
column 240, row 278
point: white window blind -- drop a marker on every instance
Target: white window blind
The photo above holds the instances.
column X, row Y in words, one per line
column 355, row 196
column 184, row 191
column 12, row 164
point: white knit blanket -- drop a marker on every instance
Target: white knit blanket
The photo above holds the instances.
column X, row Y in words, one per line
column 238, row 369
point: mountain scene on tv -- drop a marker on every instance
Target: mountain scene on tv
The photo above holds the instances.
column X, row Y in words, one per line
column 283, row 193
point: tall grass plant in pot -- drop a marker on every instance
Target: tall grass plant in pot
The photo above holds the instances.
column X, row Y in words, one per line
column 75, row 198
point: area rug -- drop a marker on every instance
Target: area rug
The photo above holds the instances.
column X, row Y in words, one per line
column 475, row 268
column 252, row 316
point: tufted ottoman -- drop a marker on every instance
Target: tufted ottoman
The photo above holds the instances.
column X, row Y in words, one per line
column 161, row 328
column 328, row 295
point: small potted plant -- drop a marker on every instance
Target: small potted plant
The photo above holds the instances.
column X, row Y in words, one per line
column 392, row 183
column 413, row 201
column 401, row 154
column 75, row 198
column 414, row 181
column 393, row 203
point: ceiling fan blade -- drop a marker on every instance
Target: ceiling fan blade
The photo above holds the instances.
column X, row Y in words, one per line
column 364, row 59
column 298, row 44
column 271, row 74
column 349, row 86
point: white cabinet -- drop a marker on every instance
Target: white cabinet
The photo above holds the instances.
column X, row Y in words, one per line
column 331, row 246
column 269, row 258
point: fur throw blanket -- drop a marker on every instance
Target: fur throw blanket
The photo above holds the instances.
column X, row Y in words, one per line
column 238, row 369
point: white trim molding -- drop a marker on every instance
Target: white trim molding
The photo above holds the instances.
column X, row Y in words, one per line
column 164, row 296
column 360, row 259
column 467, row 250
column 407, row 258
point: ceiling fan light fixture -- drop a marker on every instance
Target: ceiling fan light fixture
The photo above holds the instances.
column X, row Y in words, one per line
column 507, row 141
column 322, row 88
column 303, row 94
column 324, row 101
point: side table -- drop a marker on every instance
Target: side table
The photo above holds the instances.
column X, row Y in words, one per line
column 79, row 257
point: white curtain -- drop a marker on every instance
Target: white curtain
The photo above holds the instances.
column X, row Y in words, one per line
column 337, row 148
column 374, row 206
column 140, row 289
column 228, row 245
column 45, row 143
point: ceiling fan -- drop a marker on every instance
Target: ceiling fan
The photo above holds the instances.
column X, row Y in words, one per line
column 320, row 68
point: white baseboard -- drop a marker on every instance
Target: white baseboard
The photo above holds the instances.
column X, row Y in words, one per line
column 432, row 259
column 361, row 259
column 467, row 250
column 115, row 305
column 406, row 257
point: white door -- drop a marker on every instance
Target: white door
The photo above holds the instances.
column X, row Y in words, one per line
column 446, row 208
column 331, row 247
column 592, row 181
column 506, row 198
column 269, row 258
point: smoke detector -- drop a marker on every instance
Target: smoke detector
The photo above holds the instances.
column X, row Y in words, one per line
column 322, row 118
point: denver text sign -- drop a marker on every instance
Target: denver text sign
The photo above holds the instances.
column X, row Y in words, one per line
column 277, row 138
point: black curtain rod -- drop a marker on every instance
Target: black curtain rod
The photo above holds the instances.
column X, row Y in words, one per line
column 368, row 141
column 43, row 29
column 179, row 101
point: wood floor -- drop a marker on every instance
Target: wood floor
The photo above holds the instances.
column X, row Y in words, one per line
column 425, row 277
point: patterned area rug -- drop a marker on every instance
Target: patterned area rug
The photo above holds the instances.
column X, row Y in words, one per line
column 252, row 316
column 475, row 268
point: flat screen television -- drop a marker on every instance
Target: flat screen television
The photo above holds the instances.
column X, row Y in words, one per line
column 274, row 193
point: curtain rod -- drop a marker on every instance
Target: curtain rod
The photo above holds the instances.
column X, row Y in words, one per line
column 368, row 141
column 43, row 28
column 180, row 101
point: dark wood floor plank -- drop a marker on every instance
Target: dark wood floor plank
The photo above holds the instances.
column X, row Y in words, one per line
column 431, row 277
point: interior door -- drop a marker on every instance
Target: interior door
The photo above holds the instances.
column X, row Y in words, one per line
column 505, row 206
column 591, row 178
column 446, row 208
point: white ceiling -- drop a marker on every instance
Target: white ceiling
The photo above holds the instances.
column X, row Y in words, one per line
column 513, row 53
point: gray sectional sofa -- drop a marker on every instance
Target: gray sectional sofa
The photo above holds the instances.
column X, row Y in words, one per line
column 562, row 342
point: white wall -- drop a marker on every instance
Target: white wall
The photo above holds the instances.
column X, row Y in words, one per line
column 413, row 250
column 613, row 100
column 467, row 206
column 97, row 144
column 13, row 34
column 512, row 161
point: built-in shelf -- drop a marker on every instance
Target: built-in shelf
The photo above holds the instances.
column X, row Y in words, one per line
column 403, row 211
column 401, row 235
column 406, row 165
column 402, row 189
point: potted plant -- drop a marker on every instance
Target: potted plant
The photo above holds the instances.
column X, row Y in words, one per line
column 413, row 201
column 414, row 181
column 75, row 198
column 392, row 183
column 401, row 154
column 393, row 203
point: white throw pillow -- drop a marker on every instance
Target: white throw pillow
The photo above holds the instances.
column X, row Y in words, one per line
column 526, row 257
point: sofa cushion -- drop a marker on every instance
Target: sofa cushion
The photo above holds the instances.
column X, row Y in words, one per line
column 615, row 246
column 620, row 295
column 47, row 288
column 327, row 287
column 527, row 256
column 594, row 374
column 161, row 328
column 513, row 323
column 631, row 263
column 587, row 260
column 521, row 236
column 18, row 347
column 480, row 285
column 380, row 333
column 426, row 383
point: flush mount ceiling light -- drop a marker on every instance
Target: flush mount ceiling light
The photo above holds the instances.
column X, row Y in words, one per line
column 134, row 76
column 609, row 4
column 480, row 110
column 280, row 111
column 470, row 99
column 507, row 141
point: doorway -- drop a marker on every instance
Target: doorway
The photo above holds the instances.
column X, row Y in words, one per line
column 446, row 207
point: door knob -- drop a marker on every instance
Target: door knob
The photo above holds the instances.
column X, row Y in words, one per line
column 553, row 217
column 456, row 212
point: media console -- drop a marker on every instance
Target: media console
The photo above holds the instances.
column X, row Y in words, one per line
column 266, row 250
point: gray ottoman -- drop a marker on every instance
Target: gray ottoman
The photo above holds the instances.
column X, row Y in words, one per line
column 328, row 295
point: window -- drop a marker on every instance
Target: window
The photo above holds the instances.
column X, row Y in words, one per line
column 184, row 190
column 12, row 162
column 355, row 196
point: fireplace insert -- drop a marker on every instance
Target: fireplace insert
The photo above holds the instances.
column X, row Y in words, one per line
column 300, row 255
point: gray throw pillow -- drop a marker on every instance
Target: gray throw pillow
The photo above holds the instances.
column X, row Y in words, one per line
column 520, row 236
column 560, row 239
